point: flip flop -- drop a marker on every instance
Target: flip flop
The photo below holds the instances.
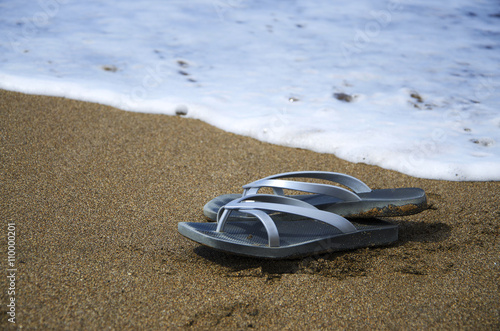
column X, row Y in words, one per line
column 358, row 202
column 312, row 231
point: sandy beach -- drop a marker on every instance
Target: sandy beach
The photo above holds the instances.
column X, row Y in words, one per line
column 95, row 195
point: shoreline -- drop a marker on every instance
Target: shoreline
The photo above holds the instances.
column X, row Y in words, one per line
column 96, row 193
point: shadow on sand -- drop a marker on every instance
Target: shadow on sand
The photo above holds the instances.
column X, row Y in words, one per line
column 338, row 264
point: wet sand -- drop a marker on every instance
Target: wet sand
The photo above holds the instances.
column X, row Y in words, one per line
column 96, row 193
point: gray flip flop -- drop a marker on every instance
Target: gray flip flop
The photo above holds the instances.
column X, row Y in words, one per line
column 359, row 202
column 312, row 231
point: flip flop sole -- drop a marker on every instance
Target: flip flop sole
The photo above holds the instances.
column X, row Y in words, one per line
column 377, row 203
column 297, row 238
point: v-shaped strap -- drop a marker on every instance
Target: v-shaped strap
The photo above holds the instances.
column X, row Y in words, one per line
column 278, row 184
column 257, row 205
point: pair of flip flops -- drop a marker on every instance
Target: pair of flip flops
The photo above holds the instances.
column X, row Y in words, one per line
column 287, row 226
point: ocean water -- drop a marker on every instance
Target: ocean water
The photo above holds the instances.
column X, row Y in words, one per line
column 412, row 86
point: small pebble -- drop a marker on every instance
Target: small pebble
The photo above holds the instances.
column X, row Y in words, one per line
column 110, row 68
column 181, row 110
column 343, row 97
column 182, row 64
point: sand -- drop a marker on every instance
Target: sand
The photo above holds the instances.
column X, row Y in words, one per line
column 96, row 193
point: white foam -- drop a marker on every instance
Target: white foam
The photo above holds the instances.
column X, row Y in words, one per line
column 422, row 76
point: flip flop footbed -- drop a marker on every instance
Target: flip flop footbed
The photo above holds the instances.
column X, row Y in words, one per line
column 297, row 238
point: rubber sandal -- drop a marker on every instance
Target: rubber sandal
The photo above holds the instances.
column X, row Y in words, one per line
column 359, row 202
column 314, row 231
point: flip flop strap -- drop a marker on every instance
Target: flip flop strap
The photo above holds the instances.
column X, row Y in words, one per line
column 277, row 184
column 257, row 204
column 273, row 237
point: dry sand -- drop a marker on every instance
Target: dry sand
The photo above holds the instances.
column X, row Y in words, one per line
column 96, row 194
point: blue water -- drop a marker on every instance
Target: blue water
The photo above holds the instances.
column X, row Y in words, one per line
column 411, row 86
